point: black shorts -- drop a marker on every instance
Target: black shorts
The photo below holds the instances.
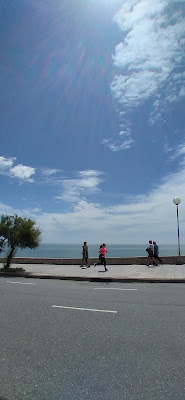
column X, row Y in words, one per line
column 102, row 259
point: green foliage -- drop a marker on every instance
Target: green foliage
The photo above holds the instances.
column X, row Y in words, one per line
column 18, row 232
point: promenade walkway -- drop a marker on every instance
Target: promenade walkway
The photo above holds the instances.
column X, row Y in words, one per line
column 140, row 273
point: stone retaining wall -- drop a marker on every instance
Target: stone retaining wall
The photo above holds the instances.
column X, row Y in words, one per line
column 110, row 261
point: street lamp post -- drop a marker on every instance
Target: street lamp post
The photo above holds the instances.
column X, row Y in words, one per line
column 177, row 201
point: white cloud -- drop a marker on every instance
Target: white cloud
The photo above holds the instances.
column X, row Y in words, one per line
column 89, row 182
column 90, row 172
column 177, row 153
column 135, row 220
column 86, row 183
column 49, row 172
column 182, row 91
column 27, row 212
column 6, row 162
column 124, row 140
column 119, row 144
column 22, row 172
column 6, row 209
column 125, row 132
column 151, row 56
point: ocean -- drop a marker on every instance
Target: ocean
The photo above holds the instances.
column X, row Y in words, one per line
column 113, row 250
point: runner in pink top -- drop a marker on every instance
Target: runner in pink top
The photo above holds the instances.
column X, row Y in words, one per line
column 102, row 252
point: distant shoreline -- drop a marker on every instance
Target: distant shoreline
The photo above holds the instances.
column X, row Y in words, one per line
column 75, row 250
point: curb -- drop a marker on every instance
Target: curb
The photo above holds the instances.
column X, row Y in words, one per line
column 28, row 275
column 96, row 279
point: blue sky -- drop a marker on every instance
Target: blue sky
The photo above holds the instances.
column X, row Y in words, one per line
column 92, row 101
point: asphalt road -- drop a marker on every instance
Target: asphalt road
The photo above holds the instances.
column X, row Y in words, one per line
column 134, row 349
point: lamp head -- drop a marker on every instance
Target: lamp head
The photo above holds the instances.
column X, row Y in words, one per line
column 176, row 200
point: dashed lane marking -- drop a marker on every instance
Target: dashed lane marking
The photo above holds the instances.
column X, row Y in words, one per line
column 22, row 283
column 101, row 288
column 86, row 309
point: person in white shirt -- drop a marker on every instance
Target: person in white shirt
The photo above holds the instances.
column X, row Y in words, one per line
column 150, row 251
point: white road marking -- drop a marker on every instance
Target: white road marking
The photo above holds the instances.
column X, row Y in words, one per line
column 22, row 283
column 86, row 309
column 106, row 288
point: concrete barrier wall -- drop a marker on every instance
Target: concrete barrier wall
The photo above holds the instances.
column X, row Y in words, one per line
column 110, row 261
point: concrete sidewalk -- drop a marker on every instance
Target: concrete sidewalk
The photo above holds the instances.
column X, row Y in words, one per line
column 115, row 273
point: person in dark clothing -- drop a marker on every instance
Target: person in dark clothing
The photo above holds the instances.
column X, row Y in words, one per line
column 156, row 253
column 85, row 255
column 150, row 251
